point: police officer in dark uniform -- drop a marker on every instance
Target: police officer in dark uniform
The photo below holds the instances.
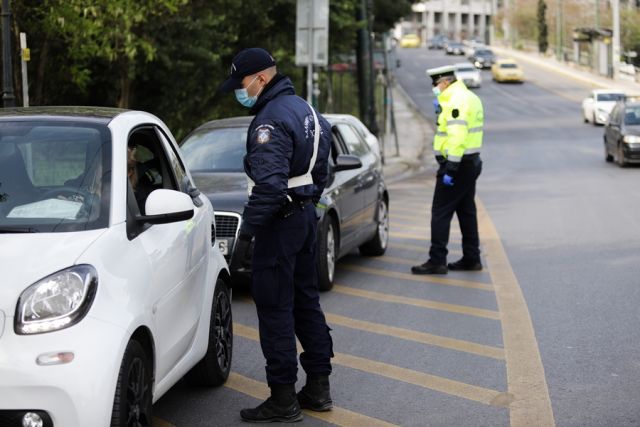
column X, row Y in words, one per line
column 286, row 163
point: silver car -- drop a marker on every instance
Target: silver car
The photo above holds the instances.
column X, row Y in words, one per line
column 469, row 74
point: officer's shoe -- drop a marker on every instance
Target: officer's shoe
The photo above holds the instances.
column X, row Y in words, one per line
column 316, row 394
column 281, row 407
column 465, row 265
column 429, row 268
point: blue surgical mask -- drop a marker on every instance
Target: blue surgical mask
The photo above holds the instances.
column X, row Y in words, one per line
column 242, row 95
column 436, row 91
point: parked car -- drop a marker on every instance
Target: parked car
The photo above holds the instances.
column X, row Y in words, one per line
column 438, row 42
column 622, row 133
column 482, row 58
column 507, row 70
column 454, row 48
column 102, row 308
column 410, row 40
column 353, row 209
column 598, row 105
column 468, row 74
column 364, row 132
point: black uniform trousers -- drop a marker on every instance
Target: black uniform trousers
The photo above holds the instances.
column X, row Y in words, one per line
column 458, row 199
column 284, row 287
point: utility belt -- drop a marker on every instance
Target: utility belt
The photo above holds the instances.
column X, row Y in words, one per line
column 466, row 158
column 293, row 205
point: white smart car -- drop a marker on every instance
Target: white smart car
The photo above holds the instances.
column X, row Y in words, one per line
column 112, row 288
column 598, row 105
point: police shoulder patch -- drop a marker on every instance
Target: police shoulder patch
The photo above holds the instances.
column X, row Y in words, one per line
column 263, row 135
column 455, row 113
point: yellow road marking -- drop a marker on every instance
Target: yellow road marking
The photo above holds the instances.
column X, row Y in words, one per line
column 407, row 209
column 431, row 382
column 420, row 337
column 525, row 371
column 421, row 217
column 405, row 246
column 337, row 416
column 159, row 422
column 416, row 302
column 430, row 279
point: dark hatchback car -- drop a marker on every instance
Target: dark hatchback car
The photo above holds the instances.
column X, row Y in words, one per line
column 482, row 58
column 454, row 48
column 622, row 133
column 353, row 209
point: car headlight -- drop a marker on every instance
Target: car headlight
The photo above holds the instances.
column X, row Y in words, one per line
column 57, row 301
column 631, row 139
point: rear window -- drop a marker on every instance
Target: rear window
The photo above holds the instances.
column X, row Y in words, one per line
column 216, row 150
column 632, row 116
column 466, row 69
column 610, row 96
column 508, row 66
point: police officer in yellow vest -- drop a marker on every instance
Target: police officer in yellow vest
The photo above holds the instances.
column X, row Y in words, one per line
column 457, row 145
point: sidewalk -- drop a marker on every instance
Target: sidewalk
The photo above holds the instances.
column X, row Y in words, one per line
column 415, row 138
column 570, row 70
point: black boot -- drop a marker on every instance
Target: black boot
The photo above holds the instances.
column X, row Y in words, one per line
column 316, row 394
column 281, row 407
column 429, row 268
column 465, row 265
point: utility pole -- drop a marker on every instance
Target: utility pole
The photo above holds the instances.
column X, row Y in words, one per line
column 615, row 9
column 559, row 30
column 374, row 128
column 363, row 65
column 8, row 97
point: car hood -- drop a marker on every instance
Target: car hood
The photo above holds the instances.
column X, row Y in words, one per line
column 27, row 258
column 633, row 130
column 227, row 191
column 467, row 74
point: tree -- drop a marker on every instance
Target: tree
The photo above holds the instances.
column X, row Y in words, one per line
column 543, row 28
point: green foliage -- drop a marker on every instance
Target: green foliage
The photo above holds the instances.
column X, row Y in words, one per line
column 543, row 28
column 630, row 32
column 388, row 12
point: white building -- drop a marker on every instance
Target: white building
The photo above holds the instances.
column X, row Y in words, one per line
column 456, row 19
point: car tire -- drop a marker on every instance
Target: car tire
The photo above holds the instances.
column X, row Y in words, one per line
column 378, row 244
column 327, row 253
column 132, row 401
column 622, row 162
column 607, row 157
column 213, row 370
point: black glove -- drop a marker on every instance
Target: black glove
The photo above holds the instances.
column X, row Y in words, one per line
column 244, row 234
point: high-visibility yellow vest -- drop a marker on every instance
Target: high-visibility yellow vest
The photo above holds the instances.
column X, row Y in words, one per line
column 460, row 124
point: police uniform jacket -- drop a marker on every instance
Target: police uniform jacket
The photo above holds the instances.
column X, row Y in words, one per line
column 280, row 143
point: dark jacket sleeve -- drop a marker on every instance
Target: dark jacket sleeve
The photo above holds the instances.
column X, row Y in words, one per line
column 269, row 151
column 320, row 171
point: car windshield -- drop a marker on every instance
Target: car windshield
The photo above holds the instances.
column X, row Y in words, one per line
column 632, row 116
column 484, row 53
column 466, row 69
column 610, row 96
column 216, row 150
column 54, row 176
column 508, row 66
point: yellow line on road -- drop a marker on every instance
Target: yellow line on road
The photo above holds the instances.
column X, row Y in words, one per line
column 431, row 382
column 425, row 237
column 416, row 302
column 159, row 422
column 420, row 337
column 337, row 416
column 429, row 279
column 416, row 248
column 525, row 371
column 421, row 210
column 421, row 217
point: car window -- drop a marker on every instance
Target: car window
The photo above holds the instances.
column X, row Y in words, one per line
column 148, row 167
column 512, row 66
column 610, row 97
column 355, row 144
column 466, row 69
column 176, row 164
column 632, row 116
column 54, row 177
column 217, row 150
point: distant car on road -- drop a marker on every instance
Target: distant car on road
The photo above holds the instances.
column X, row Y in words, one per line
column 482, row 58
column 468, row 74
column 454, row 48
column 438, row 42
column 410, row 40
column 113, row 288
column 507, row 70
column 622, row 133
column 353, row 209
column 598, row 105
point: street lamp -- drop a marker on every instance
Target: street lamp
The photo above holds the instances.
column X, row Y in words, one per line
column 8, row 98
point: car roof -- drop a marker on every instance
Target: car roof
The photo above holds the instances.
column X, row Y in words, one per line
column 598, row 91
column 97, row 114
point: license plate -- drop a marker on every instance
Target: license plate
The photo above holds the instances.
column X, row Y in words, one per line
column 223, row 244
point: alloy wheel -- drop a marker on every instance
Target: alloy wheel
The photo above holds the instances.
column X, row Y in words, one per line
column 383, row 224
column 222, row 327
column 331, row 252
column 137, row 399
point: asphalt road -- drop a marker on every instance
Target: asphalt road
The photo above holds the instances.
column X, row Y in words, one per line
column 546, row 334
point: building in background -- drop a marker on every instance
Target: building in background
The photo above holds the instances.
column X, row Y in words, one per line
column 455, row 19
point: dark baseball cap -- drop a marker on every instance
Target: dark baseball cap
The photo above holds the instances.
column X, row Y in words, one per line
column 246, row 63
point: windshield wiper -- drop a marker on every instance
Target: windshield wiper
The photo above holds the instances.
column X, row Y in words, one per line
column 9, row 230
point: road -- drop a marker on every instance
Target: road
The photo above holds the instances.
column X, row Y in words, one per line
column 546, row 334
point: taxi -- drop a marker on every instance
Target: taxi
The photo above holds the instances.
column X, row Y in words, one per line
column 507, row 70
column 410, row 40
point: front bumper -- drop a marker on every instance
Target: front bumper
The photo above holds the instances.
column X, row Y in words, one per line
column 77, row 394
column 631, row 152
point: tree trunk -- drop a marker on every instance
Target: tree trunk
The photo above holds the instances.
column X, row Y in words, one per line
column 42, row 67
column 125, row 85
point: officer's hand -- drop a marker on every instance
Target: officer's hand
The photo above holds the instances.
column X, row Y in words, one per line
column 244, row 236
column 447, row 180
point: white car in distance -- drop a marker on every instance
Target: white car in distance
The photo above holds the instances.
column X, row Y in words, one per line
column 112, row 288
column 598, row 105
column 468, row 74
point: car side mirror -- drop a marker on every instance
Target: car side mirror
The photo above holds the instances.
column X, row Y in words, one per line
column 345, row 162
column 166, row 206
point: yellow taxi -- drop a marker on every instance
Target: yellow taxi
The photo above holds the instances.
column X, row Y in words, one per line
column 410, row 40
column 507, row 70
